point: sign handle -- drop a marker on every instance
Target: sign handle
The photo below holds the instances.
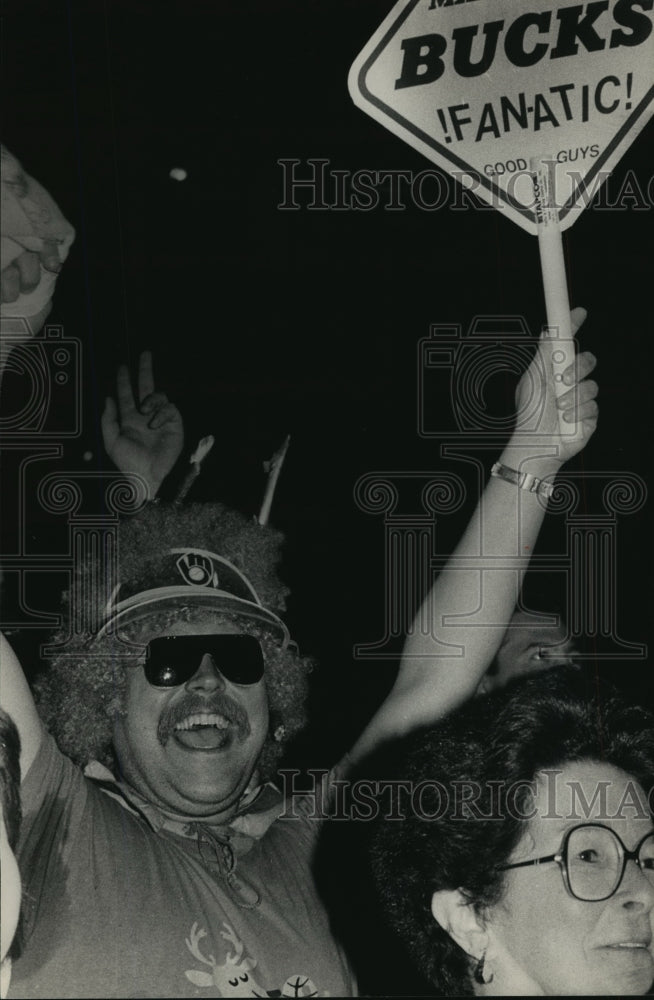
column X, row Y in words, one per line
column 555, row 286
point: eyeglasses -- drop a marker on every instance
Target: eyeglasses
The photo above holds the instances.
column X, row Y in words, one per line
column 172, row 660
column 593, row 860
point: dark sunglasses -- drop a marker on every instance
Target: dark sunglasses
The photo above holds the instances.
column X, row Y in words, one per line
column 172, row 660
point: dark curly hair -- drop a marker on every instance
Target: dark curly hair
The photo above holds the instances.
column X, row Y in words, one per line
column 82, row 691
column 494, row 742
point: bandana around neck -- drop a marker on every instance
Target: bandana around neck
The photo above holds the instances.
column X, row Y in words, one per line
column 219, row 845
column 259, row 807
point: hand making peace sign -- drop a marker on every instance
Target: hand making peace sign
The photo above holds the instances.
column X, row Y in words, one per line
column 145, row 437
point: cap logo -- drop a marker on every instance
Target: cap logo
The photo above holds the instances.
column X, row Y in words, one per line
column 198, row 570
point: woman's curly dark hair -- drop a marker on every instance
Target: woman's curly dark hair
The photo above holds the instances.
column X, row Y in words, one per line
column 493, row 743
column 82, row 692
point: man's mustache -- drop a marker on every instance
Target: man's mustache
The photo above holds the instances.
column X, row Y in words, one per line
column 217, row 704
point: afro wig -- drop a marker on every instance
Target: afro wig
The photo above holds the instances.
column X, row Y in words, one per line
column 82, row 692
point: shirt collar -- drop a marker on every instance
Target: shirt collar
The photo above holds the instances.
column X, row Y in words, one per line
column 259, row 807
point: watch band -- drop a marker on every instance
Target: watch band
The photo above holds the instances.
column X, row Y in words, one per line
column 523, row 480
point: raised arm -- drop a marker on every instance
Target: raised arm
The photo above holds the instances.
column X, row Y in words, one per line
column 442, row 664
column 16, row 699
column 144, row 435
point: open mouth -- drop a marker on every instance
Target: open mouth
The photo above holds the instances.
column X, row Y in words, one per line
column 635, row 948
column 203, row 731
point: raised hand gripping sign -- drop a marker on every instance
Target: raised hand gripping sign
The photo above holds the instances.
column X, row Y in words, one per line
column 529, row 108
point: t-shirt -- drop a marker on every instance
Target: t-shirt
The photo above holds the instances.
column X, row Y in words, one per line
column 115, row 908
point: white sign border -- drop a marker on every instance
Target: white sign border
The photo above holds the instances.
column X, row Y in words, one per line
column 446, row 159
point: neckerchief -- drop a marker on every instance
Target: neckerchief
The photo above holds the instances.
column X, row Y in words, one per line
column 219, row 845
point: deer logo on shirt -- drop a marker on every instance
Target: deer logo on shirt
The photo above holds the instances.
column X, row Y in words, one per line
column 233, row 978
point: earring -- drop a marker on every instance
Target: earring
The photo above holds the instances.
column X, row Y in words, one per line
column 479, row 975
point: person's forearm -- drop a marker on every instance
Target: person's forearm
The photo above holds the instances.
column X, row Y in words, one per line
column 480, row 582
column 460, row 625
column 16, row 699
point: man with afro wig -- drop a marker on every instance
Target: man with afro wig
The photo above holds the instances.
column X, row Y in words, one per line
column 171, row 866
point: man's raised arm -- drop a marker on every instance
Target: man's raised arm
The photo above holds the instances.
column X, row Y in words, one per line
column 16, row 699
column 452, row 641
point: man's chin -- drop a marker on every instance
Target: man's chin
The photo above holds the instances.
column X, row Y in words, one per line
column 206, row 782
column 208, row 804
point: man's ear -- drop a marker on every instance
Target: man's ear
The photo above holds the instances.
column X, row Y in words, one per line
column 456, row 915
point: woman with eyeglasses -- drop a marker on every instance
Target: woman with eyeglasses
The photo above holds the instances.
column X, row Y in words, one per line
column 524, row 865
